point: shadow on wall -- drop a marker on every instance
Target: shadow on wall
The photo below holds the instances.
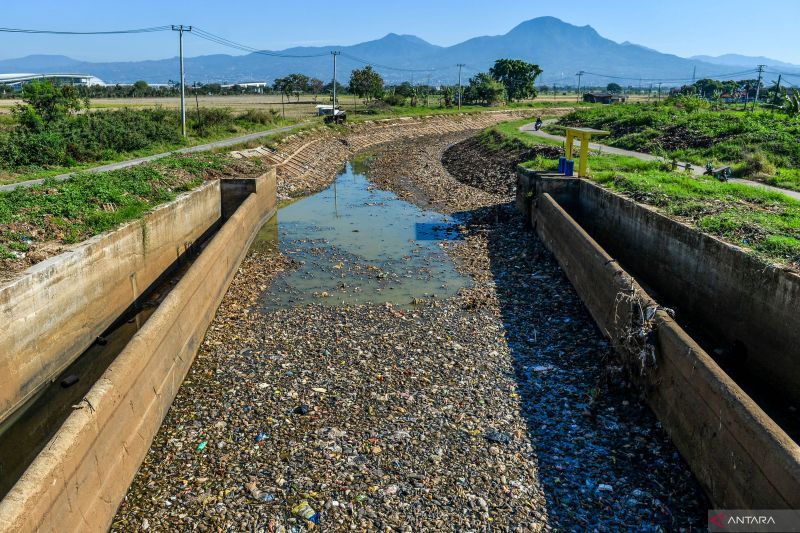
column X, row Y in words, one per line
column 604, row 460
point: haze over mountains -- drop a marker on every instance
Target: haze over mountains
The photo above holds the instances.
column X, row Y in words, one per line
column 561, row 49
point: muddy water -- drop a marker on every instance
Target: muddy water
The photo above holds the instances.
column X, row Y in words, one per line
column 353, row 244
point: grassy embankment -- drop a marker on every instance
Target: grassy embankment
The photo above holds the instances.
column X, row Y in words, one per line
column 58, row 213
column 765, row 222
column 764, row 145
column 101, row 137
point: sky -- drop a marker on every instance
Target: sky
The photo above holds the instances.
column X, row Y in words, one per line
column 681, row 27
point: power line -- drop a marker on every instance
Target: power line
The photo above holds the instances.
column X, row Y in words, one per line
column 107, row 32
column 208, row 36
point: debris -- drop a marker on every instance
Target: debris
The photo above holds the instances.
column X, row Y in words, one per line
column 202, row 446
column 69, row 381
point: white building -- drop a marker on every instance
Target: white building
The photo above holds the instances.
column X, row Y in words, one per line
column 16, row 80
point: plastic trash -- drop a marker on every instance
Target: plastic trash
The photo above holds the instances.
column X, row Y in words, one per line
column 304, row 510
column 202, row 446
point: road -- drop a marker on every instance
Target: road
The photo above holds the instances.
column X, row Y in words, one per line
column 139, row 160
column 697, row 170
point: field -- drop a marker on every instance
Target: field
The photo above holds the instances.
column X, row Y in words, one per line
column 764, row 222
column 762, row 145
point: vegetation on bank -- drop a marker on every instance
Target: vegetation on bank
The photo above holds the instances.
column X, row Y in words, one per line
column 768, row 223
column 759, row 145
column 70, row 211
column 51, row 130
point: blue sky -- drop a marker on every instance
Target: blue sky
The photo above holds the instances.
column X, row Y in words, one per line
column 683, row 27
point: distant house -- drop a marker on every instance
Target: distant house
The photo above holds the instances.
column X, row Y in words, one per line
column 603, row 98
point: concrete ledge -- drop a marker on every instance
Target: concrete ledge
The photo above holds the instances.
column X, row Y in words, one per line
column 79, row 479
column 739, row 455
column 57, row 308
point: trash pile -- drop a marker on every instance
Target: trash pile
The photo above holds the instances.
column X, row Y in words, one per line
column 501, row 407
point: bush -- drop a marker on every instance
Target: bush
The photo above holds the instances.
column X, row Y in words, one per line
column 260, row 116
column 755, row 164
column 394, row 99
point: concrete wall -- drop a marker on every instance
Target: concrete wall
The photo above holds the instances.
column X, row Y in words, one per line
column 722, row 289
column 727, row 293
column 57, row 308
column 78, row 481
column 740, row 456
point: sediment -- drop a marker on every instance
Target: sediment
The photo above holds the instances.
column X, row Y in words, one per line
column 500, row 408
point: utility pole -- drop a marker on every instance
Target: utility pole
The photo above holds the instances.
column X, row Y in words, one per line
column 694, row 73
column 659, row 91
column 334, row 54
column 579, row 74
column 459, row 84
column 758, row 85
column 180, row 28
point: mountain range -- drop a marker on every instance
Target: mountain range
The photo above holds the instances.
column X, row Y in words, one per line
column 560, row 48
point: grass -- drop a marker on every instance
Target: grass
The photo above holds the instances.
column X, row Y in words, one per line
column 219, row 124
column 765, row 222
column 762, row 145
column 72, row 210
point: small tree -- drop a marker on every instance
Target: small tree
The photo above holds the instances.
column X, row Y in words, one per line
column 366, row 83
column 517, row 77
column 614, row 88
column 140, row 87
column 46, row 104
column 485, row 89
column 316, row 86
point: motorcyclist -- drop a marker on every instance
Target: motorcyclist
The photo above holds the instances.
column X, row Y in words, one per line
column 538, row 124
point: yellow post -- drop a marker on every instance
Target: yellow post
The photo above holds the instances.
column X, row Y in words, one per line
column 584, row 134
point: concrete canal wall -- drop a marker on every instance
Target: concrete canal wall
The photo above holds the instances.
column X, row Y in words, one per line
column 78, row 480
column 56, row 309
column 738, row 453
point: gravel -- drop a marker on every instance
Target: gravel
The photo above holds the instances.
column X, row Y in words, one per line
column 501, row 408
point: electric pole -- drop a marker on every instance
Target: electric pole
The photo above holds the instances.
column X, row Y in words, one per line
column 459, row 84
column 579, row 74
column 334, row 54
column 659, row 91
column 758, row 85
column 180, row 28
column 694, row 73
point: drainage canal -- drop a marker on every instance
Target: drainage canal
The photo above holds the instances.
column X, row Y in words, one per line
column 353, row 244
column 26, row 432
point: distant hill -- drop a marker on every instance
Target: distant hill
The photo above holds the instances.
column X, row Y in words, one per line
column 561, row 49
column 738, row 60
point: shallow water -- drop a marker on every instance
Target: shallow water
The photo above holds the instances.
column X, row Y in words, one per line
column 357, row 244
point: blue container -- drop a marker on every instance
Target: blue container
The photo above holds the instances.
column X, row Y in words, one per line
column 569, row 167
column 562, row 161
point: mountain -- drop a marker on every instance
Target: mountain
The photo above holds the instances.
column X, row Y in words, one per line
column 561, row 49
column 738, row 60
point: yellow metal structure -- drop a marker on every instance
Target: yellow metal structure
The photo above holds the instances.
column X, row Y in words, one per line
column 584, row 134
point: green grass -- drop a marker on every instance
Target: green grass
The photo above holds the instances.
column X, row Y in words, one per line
column 763, row 145
column 765, row 222
column 221, row 124
column 72, row 210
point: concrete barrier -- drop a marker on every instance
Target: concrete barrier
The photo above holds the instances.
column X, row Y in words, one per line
column 57, row 308
column 739, row 454
column 78, row 480
column 748, row 307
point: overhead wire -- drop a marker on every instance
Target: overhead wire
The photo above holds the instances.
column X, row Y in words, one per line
column 105, row 32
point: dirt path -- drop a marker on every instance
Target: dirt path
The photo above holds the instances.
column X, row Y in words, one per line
column 497, row 409
column 696, row 169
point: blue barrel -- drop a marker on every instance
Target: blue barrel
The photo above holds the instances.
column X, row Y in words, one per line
column 562, row 161
column 569, row 167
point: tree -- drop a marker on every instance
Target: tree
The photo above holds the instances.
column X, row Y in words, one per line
column 614, row 88
column 517, row 77
column 405, row 89
column 140, row 87
column 366, row 83
column 46, row 104
column 316, row 86
column 485, row 89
